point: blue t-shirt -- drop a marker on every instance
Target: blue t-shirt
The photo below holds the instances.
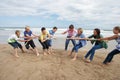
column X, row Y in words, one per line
column 83, row 42
column 27, row 33
column 51, row 32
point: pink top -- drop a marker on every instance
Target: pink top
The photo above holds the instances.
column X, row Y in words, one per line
column 71, row 33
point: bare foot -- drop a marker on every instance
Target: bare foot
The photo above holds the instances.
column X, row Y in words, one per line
column 49, row 52
column 88, row 61
column 73, row 59
column 69, row 54
column 16, row 55
column 38, row 54
column 44, row 54
column 23, row 51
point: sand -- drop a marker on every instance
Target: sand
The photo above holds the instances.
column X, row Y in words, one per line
column 55, row 67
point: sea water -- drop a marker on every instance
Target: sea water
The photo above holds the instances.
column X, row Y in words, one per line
column 5, row 32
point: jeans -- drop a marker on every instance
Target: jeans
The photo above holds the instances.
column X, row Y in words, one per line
column 67, row 42
column 91, row 52
column 50, row 43
column 111, row 55
column 76, row 47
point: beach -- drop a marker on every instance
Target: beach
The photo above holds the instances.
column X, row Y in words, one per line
column 58, row 66
column 55, row 67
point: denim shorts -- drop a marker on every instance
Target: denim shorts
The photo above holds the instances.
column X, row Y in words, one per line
column 16, row 45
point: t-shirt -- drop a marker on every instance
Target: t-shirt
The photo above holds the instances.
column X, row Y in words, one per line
column 96, row 37
column 118, row 41
column 51, row 32
column 71, row 33
column 43, row 36
column 13, row 38
column 27, row 33
column 83, row 42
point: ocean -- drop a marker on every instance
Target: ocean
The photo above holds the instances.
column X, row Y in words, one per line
column 5, row 32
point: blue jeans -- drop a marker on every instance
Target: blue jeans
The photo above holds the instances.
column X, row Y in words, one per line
column 76, row 47
column 50, row 43
column 111, row 55
column 91, row 52
column 67, row 42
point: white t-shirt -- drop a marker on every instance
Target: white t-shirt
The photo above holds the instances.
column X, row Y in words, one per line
column 13, row 38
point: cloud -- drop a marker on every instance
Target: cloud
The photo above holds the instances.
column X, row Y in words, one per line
column 100, row 11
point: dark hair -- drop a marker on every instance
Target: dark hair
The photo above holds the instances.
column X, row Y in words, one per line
column 97, row 30
column 43, row 28
column 117, row 28
column 71, row 26
column 55, row 28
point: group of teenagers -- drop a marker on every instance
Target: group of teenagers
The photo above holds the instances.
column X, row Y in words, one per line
column 77, row 38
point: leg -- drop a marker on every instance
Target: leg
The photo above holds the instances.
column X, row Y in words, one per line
column 15, row 46
column 32, row 44
column 20, row 46
column 66, row 44
column 93, row 51
column 72, row 51
column 44, row 47
column 27, row 45
column 50, row 45
column 47, row 46
column 16, row 54
column 111, row 55
column 89, row 52
column 73, row 42
column 76, row 51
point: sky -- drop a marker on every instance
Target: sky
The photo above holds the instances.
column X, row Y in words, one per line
column 104, row 14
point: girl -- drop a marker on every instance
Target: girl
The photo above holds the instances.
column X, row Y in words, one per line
column 116, row 36
column 71, row 33
column 82, row 42
column 98, row 44
column 13, row 41
column 43, row 39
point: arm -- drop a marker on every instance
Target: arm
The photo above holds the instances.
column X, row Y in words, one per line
column 34, row 35
column 109, row 38
column 77, row 38
column 22, row 40
column 91, row 36
column 64, row 32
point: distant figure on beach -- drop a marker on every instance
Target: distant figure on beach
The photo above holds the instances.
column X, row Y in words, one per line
column 51, row 32
column 71, row 33
column 13, row 41
column 81, row 43
column 116, row 37
column 28, row 33
column 97, row 44
column 43, row 39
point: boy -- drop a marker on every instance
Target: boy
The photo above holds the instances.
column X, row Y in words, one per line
column 43, row 39
column 13, row 41
column 28, row 33
column 51, row 32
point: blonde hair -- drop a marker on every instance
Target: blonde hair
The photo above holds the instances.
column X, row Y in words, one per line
column 27, row 27
column 80, row 29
